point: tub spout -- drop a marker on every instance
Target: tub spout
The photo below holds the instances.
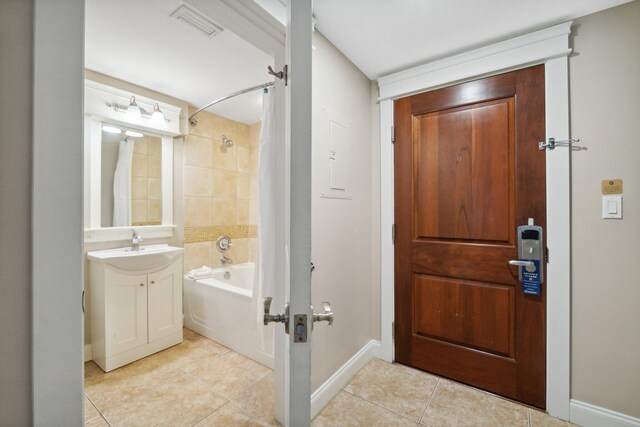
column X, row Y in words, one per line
column 224, row 260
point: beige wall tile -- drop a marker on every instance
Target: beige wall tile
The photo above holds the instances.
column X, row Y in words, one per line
column 140, row 146
column 139, row 165
column 254, row 212
column 224, row 126
column 139, row 188
column 154, row 210
column 223, row 157
column 154, row 167
column 205, row 124
column 242, row 135
column 138, row 211
column 224, row 183
column 244, row 186
column 198, row 151
column 239, row 252
column 154, row 146
column 197, row 254
column 254, row 134
column 253, row 186
column 154, row 191
column 243, row 211
column 244, row 159
column 197, row 181
column 253, row 249
column 254, row 157
column 197, row 211
column 224, row 212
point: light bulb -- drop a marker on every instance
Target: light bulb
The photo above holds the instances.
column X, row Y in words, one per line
column 133, row 110
column 111, row 129
column 133, row 134
column 157, row 118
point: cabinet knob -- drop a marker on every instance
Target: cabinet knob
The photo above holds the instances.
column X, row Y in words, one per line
column 141, row 284
column 153, row 282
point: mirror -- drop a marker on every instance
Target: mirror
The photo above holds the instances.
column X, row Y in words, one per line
column 131, row 177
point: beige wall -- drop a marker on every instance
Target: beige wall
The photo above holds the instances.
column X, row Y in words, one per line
column 146, row 181
column 220, row 190
column 16, row 51
column 341, row 229
column 605, row 115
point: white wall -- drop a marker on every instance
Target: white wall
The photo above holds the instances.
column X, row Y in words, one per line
column 605, row 115
column 341, row 229
column 16, row 51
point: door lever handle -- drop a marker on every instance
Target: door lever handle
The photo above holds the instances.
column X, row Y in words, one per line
column 521, row 263
column 327, row 316
column 277, row 318
column 529, row 265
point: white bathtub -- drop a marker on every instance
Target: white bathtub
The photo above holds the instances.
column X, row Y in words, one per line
column 221, row 309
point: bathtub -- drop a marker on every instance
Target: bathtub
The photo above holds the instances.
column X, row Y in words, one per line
column 221, row 309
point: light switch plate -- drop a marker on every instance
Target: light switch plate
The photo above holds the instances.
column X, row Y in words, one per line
column 612, row 207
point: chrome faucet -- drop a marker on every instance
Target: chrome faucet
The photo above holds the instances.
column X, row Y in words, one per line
column 224, row 260
column 135, row 241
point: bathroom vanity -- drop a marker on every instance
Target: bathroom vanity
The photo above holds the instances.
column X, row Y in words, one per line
column 136, row 303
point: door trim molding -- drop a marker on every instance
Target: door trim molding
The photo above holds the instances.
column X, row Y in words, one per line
column 550, row 47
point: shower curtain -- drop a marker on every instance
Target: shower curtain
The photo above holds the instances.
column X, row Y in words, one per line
column 122, row 185
column 265, row 269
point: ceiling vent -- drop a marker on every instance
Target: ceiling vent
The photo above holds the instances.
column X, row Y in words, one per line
column 197, row 20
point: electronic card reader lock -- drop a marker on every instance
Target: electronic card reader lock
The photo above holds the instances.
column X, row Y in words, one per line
column 531, row 258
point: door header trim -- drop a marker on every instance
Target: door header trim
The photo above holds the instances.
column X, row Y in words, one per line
column 518, row 52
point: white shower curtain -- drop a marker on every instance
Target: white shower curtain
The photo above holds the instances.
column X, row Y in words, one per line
column 265, row 269
column 122, row 185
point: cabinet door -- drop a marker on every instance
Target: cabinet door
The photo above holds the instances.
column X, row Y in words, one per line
column 125, row 311
column 165, row 301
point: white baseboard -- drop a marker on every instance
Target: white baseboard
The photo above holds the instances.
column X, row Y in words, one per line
column 587, row 415
column 342, row 376
column 88, row 353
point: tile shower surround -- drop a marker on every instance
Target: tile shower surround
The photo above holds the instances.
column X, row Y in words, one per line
column 201, row 383
column 220, row 190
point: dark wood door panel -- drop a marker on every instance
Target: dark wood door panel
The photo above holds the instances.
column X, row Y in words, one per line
column 467, row 173
column 472, row 261
column 475, row 314
column 464, row 176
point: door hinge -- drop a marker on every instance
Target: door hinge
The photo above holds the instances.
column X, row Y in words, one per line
column 546, row 255
column 393, row 329
column 393, row 233
column 393, row 134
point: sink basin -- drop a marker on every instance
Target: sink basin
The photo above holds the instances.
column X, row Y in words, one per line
column 149, row 257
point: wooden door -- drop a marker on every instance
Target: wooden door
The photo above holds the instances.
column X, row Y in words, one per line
column 125, row 311
column 165, row 301
column 467, row 173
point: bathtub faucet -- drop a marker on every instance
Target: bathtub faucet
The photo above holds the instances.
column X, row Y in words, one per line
column 224, row 260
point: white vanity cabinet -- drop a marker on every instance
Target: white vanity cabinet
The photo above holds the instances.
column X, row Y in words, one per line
column 136, row 305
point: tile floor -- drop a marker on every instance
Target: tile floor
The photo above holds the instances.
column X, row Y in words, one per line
column 201, row 383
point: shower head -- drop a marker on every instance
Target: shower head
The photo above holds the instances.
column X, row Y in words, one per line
column 227, row 142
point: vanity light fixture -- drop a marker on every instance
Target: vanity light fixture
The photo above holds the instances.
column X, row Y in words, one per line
column 111, row 129
column 134, row 134
column 134, row 113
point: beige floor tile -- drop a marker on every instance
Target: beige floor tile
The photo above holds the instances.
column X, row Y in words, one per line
column 230, row 374
column 401, row 389
column 90, row 411
column 181, row 402
column 455, row 404
column 188, row 354
column 229, row 415
column 348, row 410
column 96, row 422
column 109, row 389
column 540, row 419
column 259, row 400
column 91, row 369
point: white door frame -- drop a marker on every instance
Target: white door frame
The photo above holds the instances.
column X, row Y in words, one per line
column 550, row 47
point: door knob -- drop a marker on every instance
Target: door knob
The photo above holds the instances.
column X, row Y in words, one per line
column 527, row 264
column 327, row 316
column 276, row 318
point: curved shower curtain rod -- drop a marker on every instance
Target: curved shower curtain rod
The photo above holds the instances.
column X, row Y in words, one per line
column 194, row 122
